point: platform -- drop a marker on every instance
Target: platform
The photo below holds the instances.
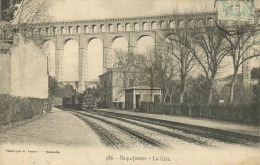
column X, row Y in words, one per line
column 58, row 128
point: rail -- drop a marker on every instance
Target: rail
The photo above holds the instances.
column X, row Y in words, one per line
column 130, row 131
column 221, row 135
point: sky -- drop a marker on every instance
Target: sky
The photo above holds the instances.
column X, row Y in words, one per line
column 69, row 10
column 92, row 9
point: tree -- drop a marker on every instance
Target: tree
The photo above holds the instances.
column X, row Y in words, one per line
column 8, row 8
column 25, row 14
column 125, row 72
column 182, row 48
column 58, row 90
column 53, row 87
column 198, row 90
column 97, row 91
column 67, row 91
column 255, row 73
column 126, row 68
column 31, row 12
column 212, row 49
column 165, row 71
column 242, row 39
column 94, row 91
column 147, row 65
column 173, row 93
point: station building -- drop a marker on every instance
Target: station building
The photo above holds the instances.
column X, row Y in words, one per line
column 135, row 95
column 123, row 91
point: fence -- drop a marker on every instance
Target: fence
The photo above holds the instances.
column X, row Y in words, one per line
column 242, row 114
column 14, row 109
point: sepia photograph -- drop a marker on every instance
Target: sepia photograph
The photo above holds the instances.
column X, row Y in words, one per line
column 129, row 82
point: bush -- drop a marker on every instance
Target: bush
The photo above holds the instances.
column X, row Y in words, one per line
column 14, row 109
column 242, row 113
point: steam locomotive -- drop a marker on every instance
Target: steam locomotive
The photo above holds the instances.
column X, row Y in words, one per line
column 88, row 103
column 83, row 103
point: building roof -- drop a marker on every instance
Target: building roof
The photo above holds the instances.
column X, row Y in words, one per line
column 142, row 88
column 110, row 70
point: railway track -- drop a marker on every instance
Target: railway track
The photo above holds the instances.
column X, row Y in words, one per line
column 173, row 128
column 221, row 135
column 138, row 135
column 168, row 133
column 105, row 137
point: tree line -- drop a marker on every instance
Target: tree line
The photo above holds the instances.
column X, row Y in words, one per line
column 192, row 47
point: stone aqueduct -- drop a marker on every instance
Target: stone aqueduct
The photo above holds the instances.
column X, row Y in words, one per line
column 107, row 30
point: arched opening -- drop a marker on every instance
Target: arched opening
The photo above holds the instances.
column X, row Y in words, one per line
column 145, row 26
column 86, row 29
column 70, row 65
column 200, row 23
column 95, row 59
column 51, row 31
column 172, row 25
column 102, row 28
column 46, row 31
column 191, row 23
column 119, row 47
column 119, row 27
column 27, row 32
column 39, row 31
column 163, row 25
column 49, row 50
column 210, row 22
column 111, row 27
column 127, row 27
column 43, row 31
column 70, row 30
column 145, row 44
column 181, row 24
column 66, row 30
column 63, row 31
column 35, row 32
column 78, row 30
column 32, row 32
column 94, row 29
column 55, row 30
column 136, row 26
column 24, row 31
column 154, row 25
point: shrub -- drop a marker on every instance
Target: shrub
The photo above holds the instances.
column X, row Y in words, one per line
column 13, row 109
column 242, row 113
